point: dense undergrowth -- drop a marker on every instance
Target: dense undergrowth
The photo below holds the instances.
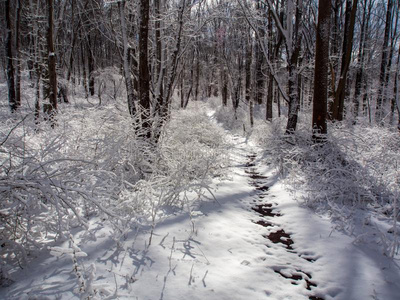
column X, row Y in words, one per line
column 354, row 177
column 93, row 164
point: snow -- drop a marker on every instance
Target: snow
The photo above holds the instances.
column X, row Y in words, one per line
column 218, row 251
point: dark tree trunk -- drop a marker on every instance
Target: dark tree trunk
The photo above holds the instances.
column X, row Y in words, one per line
column 270, row 91
column 144, row 74
column 182, row 87
column 9, row 58
column 159, row 93
column 384, row 62
column 321, row 71
column 83, row 64
column 259, row 76
column 259, row 58
column 238, row 84
column 336, row 34
column 90, row 64
column 339, row 94
column 197, row 84
column 73, row 37
column 395, row 98
column 126, row 63
column 294, row 97
column 172, row 70
column 51, row 57
column 390, row 58
column 224, row 87
column 37, row 100
column 247, row 68
column 360, row 60
column 294, row 103
column 17, row 53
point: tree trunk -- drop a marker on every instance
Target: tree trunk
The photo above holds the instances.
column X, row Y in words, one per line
column 126, row 61
column 159, row 92
column 144, row 74
column 270, row 91
column 321, row 71
column 339, row 94
column 224, row 87
column 392, row 47
column 384, row 61
column 336, row 34
column 395, row 98
column 37, row 100
column 9, row 58
column 360, row 61
column 83, row 64
column 90, row 64
column 294, row 100
column 182, row 87
column 51, row 59
column 238, row 84
column 197, row 83
column 73, row 37
column 259, row 76
column 247, row 68
column 17, row 54
column 294, row 103
column 174, row 64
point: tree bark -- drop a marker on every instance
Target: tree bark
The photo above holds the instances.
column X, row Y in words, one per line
column 224, row 86
column 384, row 61
column 172, row 70
column 360, row 60
column 126, row 61
column 321, row 71
column 9, row 59
column 270, row 91
column 247, row 68
column 90, row 64
column 159, row 90
column 144, row 74
column 17, row 53
column 339, row 95
column 51, row 57
column 294, row 50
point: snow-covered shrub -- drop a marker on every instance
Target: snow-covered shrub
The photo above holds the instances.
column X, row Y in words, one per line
column 46, row 188
column 357, row 168
column 191, row 152
column 93, row 162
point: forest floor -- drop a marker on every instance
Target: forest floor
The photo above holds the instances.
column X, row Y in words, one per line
column 255, row 241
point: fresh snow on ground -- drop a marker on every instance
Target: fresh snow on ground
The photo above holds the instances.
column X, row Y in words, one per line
column 220, row 252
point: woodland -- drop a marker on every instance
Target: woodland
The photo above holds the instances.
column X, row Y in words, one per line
column 120, row 117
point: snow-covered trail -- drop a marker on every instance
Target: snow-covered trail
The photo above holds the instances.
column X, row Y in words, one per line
column 257, row 242
column 254, row 242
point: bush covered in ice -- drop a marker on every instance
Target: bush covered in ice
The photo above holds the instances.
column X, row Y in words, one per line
column 93, row 163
